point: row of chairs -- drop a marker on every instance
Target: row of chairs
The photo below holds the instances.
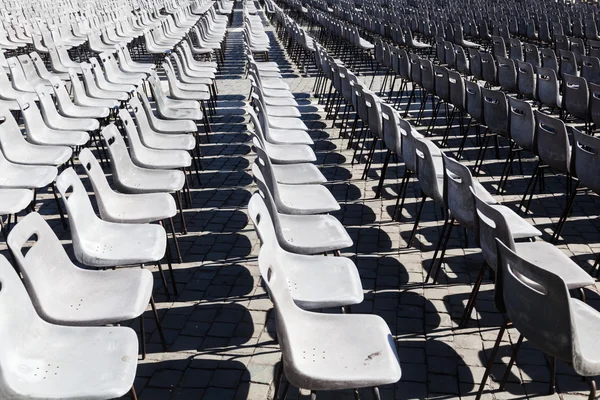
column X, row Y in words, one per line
column 501, row 233
column 289, row 214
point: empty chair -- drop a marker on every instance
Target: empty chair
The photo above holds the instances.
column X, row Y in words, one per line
column 532, row 55
column 548, row 59
column 548, row 89
column 82, row 355
column 568, row 63
column 576, row 97
column 316, row 281
column 526, row 80
column 590, row 69
column 305, row 234
column 489, row 70
column 507, row 74
column 515, row 49
column 538, row 304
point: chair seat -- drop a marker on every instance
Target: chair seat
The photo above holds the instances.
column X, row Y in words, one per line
column 341, row 352
column 26, row 176
column 137, row 208
column 290, row 153
column 92, row 298
column 318, row 281
column 587, row 322
column 176, row 126
column 307, row 199
column 274, row 83
column 32, row 154
column 313, row 234
column 151, row 181
column 14, row 200
column 181, row 113
column 280, row 101
column 283, row 111
column 298, row 174
column 162, row 141
column 519, row 228
column 283, row 136
column 278, row 93
column 107, row 244
column 549, row 257
column 73, row 362
column 365, row 45
column 287, row 123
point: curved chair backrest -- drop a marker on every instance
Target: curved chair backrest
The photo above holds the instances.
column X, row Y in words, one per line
column 97, row 178
column 552, row 142
column 515, row 49
column 373, row 105
column 526, row 80
column 547, row 84
column 495, row 110
column 532, row 55
column 522, row 123
column 489, row 70
column 408, row 145
column 457, row 193
column 507, row 73
column 17, row 75
column 263, row 162
column 462, row 62
column 120, row 161
column 404, row 64
column 428, row 169
column 474, row 101
column 78, row 205
column 537, row 302
column 475, row 63
column 442, row 85
column 590, row 69
column 427, row 80
column 576, row 96
column 489, row 225
column 548, row 58
column 594, row 103
column 456, row 87
column 392, row 137
column 498, row 46
column 568, row 63
column 586, row 156
column 415, row 68
column 45, row 263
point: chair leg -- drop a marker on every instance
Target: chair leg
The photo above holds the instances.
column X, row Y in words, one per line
column 437, row 248
column 566, row 213
column 376, row 394
column 133, row 394
column 414, row 231
column 172, row 273
column 143, row 336
column 490, row 363
column 471, row 302
column 592, row 384
column 158, row 324
column 313, row 395
column 531, row 184
column 180, row 206
column 444, row 247
column 402, row 195
column 513, row 358
column 383, row 171
column 369, row 160
column 60, row 210
column 175, row 239
column 162, row 277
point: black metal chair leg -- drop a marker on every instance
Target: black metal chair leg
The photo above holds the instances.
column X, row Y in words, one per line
column 471, row 302
column 444, row 247
column 143, row 336
column 490, row 363
column 418, row 218
column 383, row 172
column 513, row 358
column 158, row 324
column 437, row 248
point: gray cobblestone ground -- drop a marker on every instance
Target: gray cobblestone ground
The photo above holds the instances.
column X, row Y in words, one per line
column 220, row 328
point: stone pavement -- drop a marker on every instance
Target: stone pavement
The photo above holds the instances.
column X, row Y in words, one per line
column 220, row 328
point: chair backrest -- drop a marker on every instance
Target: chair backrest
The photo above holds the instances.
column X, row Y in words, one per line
column 373, row 104
column 586, row 154
column 390, row 119
column 552, row 142
column 590, row 69
column 515, row 49
column 17, row 319
column 44, row 264
column 475, row 63
column 442, row 84
column 495, row 110
column 98, row 179
column 408, row 145
column 498, row 46
column 548, row 58
column 507, row 74
column 428, row 170
column 462, row 62
column 457, row 195
column 489, row 70
column 490, row 225
column 82, row 217
column 456, row 87
column 526, row 80
column 568, row 63
column 532, row 55
column 521, row 123
column 537, row 303
column 576, row 96
column 120, row 161
column 594, row 103
column 474, row 101
column 547, row 85
column 415, row 68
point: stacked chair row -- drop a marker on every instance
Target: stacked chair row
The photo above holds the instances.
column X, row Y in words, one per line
column 289, row 212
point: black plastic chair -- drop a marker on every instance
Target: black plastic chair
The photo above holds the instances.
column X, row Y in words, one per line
column 515, row 49
column 548, row 89
column 495, row 111
column 526, row 80
column 489, row 71
column 576, row 98
column 568, row 63
column 507, row 74
column 590, row 69
column 532, row 55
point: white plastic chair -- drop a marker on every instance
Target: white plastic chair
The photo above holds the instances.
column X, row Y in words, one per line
column 65, row 294
column 61, row 362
